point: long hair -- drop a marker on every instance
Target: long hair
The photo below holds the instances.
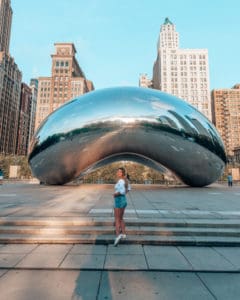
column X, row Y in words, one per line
column 123, row 170
column 125, row 175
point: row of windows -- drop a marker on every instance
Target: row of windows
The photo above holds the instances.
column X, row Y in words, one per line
column 169, row 45
column 165, row 79
column 45, row 95
column 185, row 68
column 191, row 58
column 76, row 82
column 61, row 78
column 60, row 99
column 60, row 89
column 193, row 74
column 188, row 86
column 62, row 63
column 61, row 84
column 44, row 101
column 64, row 88
column 77, row 89
column 75, row 94
column 168, row 39
column 44, row 83
column 45, row 89
column 62, row 71
column 60, row 95
column 232, row 102
column 184, row 56
column 228, row 97
column 43, row 110
column 185, row 79
column 185, row 63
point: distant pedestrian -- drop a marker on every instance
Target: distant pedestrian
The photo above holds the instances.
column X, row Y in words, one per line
column 120, row 203
column 230, row 180
column 1, row 176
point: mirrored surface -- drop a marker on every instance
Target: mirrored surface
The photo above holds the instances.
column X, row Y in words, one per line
column 127, row 123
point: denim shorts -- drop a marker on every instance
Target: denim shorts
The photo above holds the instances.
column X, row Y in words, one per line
column 120, row 201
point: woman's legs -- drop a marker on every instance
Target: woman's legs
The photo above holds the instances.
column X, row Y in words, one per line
column 122, row 223
column 117, row 220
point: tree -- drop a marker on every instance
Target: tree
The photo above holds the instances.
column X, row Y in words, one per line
column 8, row 160
column 137, row 172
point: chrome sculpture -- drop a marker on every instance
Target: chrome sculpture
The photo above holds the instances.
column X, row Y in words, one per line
column 127, row 123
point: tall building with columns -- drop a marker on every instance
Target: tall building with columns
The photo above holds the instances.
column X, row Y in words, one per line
column 182, row 72
column 10, row 84
column 66, row 82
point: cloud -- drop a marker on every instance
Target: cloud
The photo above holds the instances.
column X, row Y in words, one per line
column 157, row 105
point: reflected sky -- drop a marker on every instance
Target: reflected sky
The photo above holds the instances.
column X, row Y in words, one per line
column 128, row 104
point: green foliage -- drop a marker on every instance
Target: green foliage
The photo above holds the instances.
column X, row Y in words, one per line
column 9, row 160
column 107, row 174
column 137, row 172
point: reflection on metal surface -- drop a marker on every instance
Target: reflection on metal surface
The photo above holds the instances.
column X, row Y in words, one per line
column 137, row 124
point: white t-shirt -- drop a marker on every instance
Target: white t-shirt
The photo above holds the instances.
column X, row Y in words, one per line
column 120, row 187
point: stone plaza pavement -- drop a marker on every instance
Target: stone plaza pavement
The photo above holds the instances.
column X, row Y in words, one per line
column 77, row 271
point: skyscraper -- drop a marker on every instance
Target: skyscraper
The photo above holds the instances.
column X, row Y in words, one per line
column 5, row 24
column 10, row 85
column 182, row 72
column 24, row 120
column 226, row 116
column 67, row 81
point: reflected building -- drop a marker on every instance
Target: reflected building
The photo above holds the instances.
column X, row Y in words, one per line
column 200, row 128
column 168, row 121
column 182, row 72
column 184, row 121
column 67, row 81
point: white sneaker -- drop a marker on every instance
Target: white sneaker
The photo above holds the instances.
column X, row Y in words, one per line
column 117, row 240
column 124, row 236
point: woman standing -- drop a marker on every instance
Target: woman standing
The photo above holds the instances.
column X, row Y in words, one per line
column 120, row 203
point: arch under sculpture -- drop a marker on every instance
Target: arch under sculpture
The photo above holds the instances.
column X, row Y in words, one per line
column 127, row 123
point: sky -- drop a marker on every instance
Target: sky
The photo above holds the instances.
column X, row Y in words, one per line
column 117, row 40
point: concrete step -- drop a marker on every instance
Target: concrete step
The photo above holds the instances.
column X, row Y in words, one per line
column 64, row 221
column 131, row 230
column 101, row 231
column 109, row 239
